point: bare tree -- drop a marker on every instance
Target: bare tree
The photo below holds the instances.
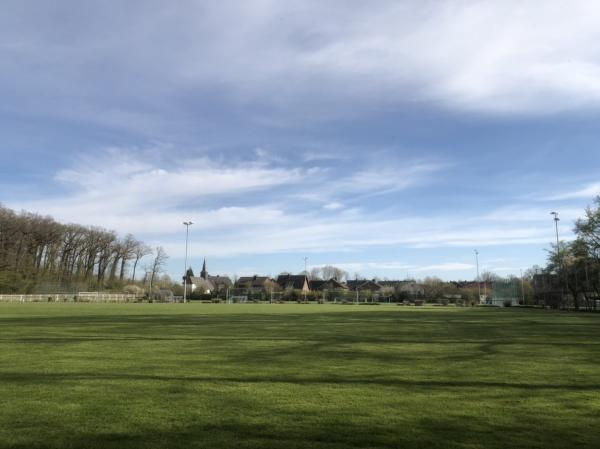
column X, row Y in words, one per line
column 35, row 248
column 128, row 251
column 139, row 251
column 315, row 273
column 331, row 272
column 160, row 258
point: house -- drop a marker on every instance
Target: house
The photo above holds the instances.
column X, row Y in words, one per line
column 293, row 282
column 255, row 284
column 326, row 285
column 363, row 285
column 220, row 283
column 209, row 284
column 201, row 285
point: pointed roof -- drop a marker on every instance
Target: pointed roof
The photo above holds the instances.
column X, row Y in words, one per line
column 204, row 273
column 292, row 281
column 330, row 284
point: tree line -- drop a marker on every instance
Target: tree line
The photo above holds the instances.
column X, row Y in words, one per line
column 37, row 249
column 573, row 268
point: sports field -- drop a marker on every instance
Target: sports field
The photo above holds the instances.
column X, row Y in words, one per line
column 296, row 376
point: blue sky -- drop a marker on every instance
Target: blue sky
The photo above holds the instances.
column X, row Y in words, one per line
column 388, row 138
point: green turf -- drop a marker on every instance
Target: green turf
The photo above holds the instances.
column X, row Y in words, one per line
column 296, row 376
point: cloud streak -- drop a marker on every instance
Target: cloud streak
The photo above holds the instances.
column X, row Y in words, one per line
column 588, row 191
column 245, row 209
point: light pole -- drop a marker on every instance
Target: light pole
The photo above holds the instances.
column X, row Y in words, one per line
column 558, row 258
column 478, row 280
column 556, row 220
column 187, row 225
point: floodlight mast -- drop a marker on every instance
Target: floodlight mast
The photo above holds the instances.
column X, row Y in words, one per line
column 478, row 279
column 556, row 220
column 558, row 257
column 187, row 225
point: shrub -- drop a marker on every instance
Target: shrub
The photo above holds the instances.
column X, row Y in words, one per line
column 419, row 302
column 507, row 303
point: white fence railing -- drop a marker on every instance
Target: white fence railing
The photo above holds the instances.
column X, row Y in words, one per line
column 72, row 297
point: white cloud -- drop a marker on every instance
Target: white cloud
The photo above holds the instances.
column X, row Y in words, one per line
column 450, row 266
column 354, row 267
column 118, row 191
column 527, row 57
column 129, row 183
column 588, row 192
column 375, row 175
column 312, row 233
column 396, row 267
column 333, row 206
column 389, row 176
column 523, row 213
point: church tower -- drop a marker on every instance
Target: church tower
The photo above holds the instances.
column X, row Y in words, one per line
column 204, row 273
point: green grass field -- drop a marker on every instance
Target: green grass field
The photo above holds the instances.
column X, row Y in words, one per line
column 296, row 376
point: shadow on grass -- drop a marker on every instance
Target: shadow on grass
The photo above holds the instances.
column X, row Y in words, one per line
column 389, row 325
column 300, row 433
column 49, row 378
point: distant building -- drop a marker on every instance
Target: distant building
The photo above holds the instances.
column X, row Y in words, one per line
column 206, row 283
column 255, row 284
column 364, row 285
column 293, row 282
column 326, row 285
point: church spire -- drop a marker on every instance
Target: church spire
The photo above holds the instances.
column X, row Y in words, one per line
column 204, row 273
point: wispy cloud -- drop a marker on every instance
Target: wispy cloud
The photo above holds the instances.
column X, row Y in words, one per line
column 389, row 176
column 245, row 208
column 450, row 266
column 589, row 191
column 371, row 176
column 154, row 196
column 398, row 267
column 333, row 206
